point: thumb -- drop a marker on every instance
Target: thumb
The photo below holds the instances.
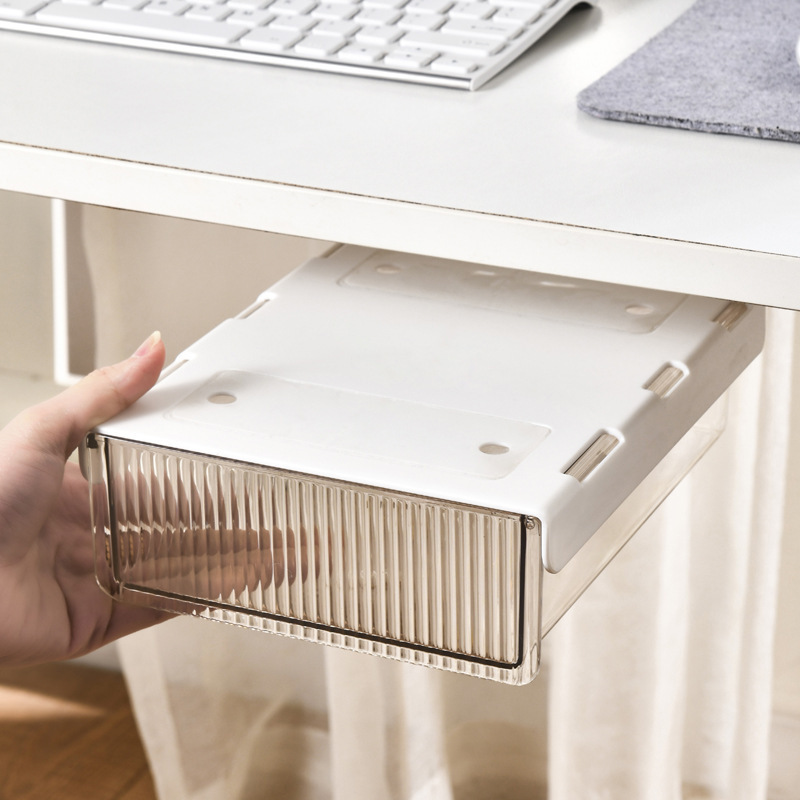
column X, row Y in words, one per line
column 63, row 421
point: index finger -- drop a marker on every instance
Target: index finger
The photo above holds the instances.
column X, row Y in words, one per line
column 59, row 424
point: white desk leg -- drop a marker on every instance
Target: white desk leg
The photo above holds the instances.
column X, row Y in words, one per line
column 71, row 358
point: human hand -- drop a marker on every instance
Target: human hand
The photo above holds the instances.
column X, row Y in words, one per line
column 51, row 607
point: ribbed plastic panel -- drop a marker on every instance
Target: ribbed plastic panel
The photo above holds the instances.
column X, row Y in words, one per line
column 262, row 547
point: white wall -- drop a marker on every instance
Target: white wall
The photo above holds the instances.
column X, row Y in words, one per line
column 25, row 295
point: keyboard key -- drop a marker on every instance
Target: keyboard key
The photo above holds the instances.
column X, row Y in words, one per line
column 485, row 29
column 170, row 7
column 292, row 6
column 532, row 4
column 209, row 11
column 420, row 22
column 377, row 16
column 335, row 27
column 134, row 23
column 446, row 43
column 250, row 17
column 378, row 34
column 14, row 9
column 318, row 46
column 361, row 54
column 428, row 6
column 383, row 3
column 250, row 5
column 453, row 65
column 522, row 15
column 132, row 5
column 409, row 57
column 334, row 10
column 471, row 10
column 269, row 40
column 296, row 22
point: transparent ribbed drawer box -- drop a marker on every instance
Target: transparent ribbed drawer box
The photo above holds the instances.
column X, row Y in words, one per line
column 410, row 457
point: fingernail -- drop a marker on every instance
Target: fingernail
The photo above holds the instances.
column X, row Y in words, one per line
column 148, row 344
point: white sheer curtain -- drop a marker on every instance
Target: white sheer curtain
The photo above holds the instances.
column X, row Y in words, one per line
column 656, row 686
column 661, row 673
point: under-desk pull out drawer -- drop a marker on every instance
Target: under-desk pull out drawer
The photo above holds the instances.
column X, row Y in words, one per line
column 411, row 457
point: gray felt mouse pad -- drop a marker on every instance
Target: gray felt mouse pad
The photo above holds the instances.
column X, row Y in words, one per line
column 725, row 66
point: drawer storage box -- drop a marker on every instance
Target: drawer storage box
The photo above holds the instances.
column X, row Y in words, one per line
column 412, row 457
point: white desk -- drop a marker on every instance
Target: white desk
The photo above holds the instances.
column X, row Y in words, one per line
column 512, row 175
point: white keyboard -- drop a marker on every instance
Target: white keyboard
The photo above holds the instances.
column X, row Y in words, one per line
column 459, row 43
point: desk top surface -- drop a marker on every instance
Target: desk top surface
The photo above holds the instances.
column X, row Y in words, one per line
column 512, row 174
